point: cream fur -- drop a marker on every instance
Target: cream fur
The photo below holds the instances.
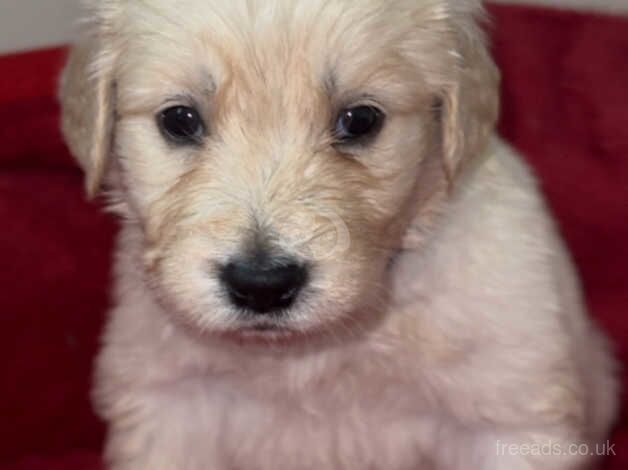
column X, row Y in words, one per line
column 474, row 336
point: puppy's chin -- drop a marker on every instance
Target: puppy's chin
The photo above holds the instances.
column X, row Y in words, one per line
column 215, row 319
column 266, row 334
column 296, row 329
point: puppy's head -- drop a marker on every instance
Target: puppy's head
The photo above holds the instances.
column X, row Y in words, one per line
column 274, row 153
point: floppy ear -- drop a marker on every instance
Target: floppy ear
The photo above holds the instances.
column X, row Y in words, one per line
column 469, row 104
column 88, row 109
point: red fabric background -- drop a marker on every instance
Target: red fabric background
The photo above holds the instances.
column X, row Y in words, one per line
column 565, row 106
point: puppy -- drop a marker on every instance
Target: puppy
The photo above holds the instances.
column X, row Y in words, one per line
column 327, row 260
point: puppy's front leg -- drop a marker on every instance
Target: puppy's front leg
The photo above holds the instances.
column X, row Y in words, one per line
column 157, row 446
column 535, row 451
column 168, row 430
column 454, row 448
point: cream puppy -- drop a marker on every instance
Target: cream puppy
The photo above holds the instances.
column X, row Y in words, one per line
column 326, row 259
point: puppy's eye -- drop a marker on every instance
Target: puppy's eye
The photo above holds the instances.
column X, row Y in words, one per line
column 357, row 123
column 181, row 125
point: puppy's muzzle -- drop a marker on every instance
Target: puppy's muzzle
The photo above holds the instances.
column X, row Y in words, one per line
column 262, row 285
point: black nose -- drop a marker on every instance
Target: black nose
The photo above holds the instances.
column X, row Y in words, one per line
column 263, row 286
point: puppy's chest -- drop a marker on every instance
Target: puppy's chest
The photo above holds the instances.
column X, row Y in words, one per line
column 357, row 425
column 343, row 409
column 338, row 411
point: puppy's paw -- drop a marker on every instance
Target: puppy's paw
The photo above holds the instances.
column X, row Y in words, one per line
column 540, row 451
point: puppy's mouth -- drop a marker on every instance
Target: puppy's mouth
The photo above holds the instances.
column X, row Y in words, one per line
column 266, row 327
column 262, row 333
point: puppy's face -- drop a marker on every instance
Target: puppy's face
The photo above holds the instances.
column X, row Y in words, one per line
column 273, row 153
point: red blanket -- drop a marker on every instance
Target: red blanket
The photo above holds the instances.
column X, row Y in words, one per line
column 565, row 106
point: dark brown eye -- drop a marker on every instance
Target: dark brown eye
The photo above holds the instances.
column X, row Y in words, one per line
column 181, row 125
column 357, row 123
